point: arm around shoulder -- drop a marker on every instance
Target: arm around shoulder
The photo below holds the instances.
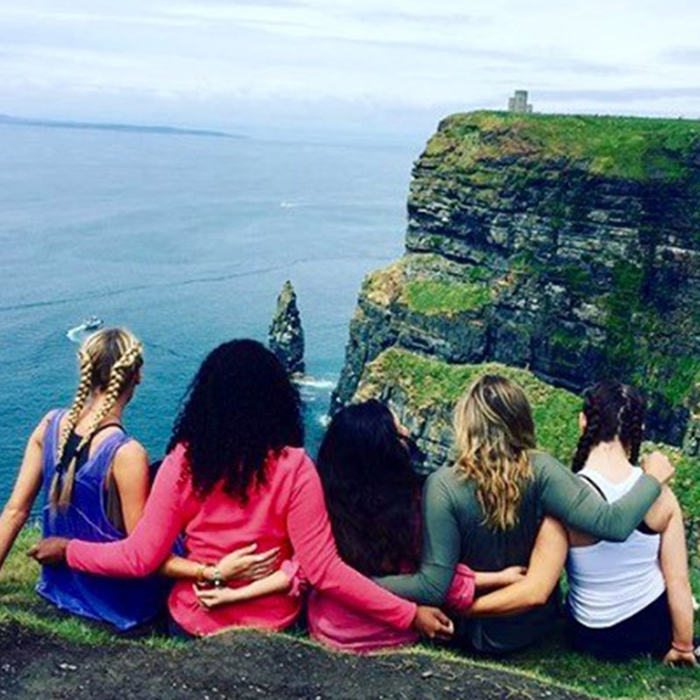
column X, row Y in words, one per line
column 570, row 500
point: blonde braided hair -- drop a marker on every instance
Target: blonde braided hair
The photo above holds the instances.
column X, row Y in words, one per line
column 109, row 360
column 494, row 430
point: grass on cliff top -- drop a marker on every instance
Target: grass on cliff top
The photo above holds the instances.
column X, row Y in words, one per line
column 425, row 294
column 635, row 148
column 434, row 297
column 430, row 383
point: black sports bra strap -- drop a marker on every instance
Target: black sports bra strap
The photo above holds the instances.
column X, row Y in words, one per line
column 100, row 429
column 594, row 485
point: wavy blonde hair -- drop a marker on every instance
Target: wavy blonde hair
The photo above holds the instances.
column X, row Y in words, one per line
column 494, row 430
column 109, row 363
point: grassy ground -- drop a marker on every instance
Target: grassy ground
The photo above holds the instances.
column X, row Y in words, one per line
column 550, row 662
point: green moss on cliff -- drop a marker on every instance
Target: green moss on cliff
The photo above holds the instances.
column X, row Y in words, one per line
column 436, row 297
column 627, row 147
column 430, row 383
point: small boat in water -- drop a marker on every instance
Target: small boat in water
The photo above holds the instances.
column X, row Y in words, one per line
column 92, row 323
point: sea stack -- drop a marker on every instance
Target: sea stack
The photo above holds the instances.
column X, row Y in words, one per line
column 286, row 336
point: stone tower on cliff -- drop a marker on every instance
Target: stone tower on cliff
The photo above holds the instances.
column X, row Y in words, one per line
column 518, row 103
column 286, row 335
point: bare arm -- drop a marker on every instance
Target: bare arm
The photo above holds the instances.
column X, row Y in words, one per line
column 546, row 564
column 28, row 483
column 488, row 580
column 667, row 518
column 279, row 582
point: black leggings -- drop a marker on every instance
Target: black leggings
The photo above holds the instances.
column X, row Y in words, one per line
column 648, row 632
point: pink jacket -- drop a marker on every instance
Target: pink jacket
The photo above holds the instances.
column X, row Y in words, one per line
column 287, row 512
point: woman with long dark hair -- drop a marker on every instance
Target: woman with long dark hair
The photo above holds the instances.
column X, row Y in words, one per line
column 236, row 473
column 373, row 499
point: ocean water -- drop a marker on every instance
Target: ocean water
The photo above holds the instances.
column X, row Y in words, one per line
column 186, row 241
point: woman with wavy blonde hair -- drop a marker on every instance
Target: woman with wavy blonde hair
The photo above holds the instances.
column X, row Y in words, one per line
column 489, row 510
column 95, row 480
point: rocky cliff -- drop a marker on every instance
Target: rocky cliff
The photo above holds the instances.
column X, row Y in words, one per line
column 286, row 335
column 566, row 245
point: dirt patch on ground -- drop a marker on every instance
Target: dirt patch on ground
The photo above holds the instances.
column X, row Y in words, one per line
column 241, row 665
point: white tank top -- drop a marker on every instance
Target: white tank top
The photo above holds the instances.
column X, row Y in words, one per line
column 611, row 581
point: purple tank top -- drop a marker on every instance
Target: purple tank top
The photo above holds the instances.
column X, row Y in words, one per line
column 124, row 603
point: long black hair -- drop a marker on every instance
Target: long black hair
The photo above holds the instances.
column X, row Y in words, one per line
column 371, row 490
column 240, row 409
column 612, row 410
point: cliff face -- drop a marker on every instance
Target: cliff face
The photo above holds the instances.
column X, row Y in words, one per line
column 566, row 245
column 286, row 335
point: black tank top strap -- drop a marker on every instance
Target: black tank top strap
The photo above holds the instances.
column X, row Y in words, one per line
column 99, row 430
column 81, row 455
column 590, row 481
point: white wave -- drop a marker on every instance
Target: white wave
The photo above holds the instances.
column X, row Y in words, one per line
column 290, row 205
column 313, row 383
column 324, row 420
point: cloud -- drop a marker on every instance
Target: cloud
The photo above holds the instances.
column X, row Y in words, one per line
column 623, row 95
column 395, row 56
column 685, row 56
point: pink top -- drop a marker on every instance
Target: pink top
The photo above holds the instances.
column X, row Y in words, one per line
column 287, row 512
column 337, row 625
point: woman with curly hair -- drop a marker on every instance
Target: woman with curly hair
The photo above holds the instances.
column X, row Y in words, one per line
column 236, row 474
column 488, row 510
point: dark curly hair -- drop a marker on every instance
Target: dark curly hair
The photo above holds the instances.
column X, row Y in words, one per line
column 612, row 410
column 240, row 409
column 372, row 492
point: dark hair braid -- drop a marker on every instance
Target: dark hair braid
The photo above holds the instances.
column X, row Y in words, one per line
column 591, row 435
column 612, row 410
column 632, row 422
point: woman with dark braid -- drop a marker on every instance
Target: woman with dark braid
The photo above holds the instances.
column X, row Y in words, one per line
column 489, row 512
column 632, row 597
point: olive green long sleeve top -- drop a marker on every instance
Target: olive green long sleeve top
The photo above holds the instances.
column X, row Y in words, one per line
column 454, row 531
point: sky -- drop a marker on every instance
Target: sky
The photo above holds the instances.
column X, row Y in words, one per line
column 348, row 64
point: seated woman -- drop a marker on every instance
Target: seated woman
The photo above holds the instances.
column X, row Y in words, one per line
column 235, row 474
column 487, row 510
column 95, row 481
column 632, row 597
column 373, row 499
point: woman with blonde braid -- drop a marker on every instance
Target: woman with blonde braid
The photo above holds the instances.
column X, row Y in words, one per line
column 488, row 512
column 95, row 482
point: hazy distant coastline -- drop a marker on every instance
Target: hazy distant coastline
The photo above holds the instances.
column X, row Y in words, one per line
column 6, row 120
